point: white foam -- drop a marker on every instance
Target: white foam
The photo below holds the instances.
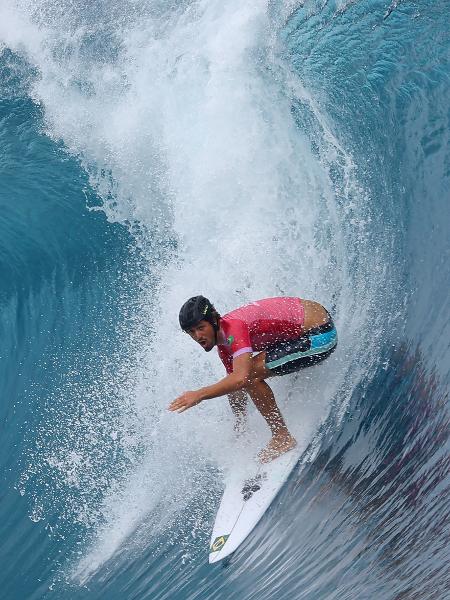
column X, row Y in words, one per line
column 183, row 120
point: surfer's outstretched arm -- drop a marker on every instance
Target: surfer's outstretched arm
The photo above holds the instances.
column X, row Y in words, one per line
column 233, row 382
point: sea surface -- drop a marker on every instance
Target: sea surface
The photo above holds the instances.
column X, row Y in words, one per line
column 152, row 150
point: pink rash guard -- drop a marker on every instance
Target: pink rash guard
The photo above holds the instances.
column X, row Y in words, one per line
column 259, row 325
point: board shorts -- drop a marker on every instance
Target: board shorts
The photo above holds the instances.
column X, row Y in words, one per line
column 309, row 349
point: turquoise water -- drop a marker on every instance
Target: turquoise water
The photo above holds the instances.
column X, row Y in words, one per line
column 155, row 151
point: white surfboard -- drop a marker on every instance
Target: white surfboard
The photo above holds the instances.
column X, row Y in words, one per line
column 246, row 498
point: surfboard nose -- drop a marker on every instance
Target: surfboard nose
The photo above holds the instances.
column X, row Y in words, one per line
column 244, row 502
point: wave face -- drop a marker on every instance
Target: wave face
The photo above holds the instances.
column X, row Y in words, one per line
column 156, row 150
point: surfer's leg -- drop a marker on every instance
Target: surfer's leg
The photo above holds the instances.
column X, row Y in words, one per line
column 261, row 394
column 282, row 441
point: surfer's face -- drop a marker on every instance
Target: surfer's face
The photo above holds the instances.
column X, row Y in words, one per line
column 203, row 334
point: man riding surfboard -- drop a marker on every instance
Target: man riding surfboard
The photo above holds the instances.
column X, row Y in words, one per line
column 287, row 334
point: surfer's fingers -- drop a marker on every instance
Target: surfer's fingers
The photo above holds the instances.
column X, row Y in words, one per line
column 175, row 405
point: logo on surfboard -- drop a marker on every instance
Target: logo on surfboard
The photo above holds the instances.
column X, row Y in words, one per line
column 219, row 543
column 252, row 485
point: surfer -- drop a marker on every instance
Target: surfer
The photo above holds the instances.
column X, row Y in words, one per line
column 287, row 333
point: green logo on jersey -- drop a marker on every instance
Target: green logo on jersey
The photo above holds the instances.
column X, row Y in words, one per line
column 230, row 340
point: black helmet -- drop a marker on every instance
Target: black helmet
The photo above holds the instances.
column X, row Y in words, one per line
column 197, row 309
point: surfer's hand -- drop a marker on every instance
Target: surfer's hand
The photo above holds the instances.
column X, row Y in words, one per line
column 186, row 400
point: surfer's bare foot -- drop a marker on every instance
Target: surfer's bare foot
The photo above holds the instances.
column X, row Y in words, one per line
column 277, row 446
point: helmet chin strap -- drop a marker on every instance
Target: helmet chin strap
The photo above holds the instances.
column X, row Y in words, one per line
column 216, row 328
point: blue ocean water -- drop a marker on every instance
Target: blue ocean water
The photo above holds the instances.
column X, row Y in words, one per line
column 152, row 151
